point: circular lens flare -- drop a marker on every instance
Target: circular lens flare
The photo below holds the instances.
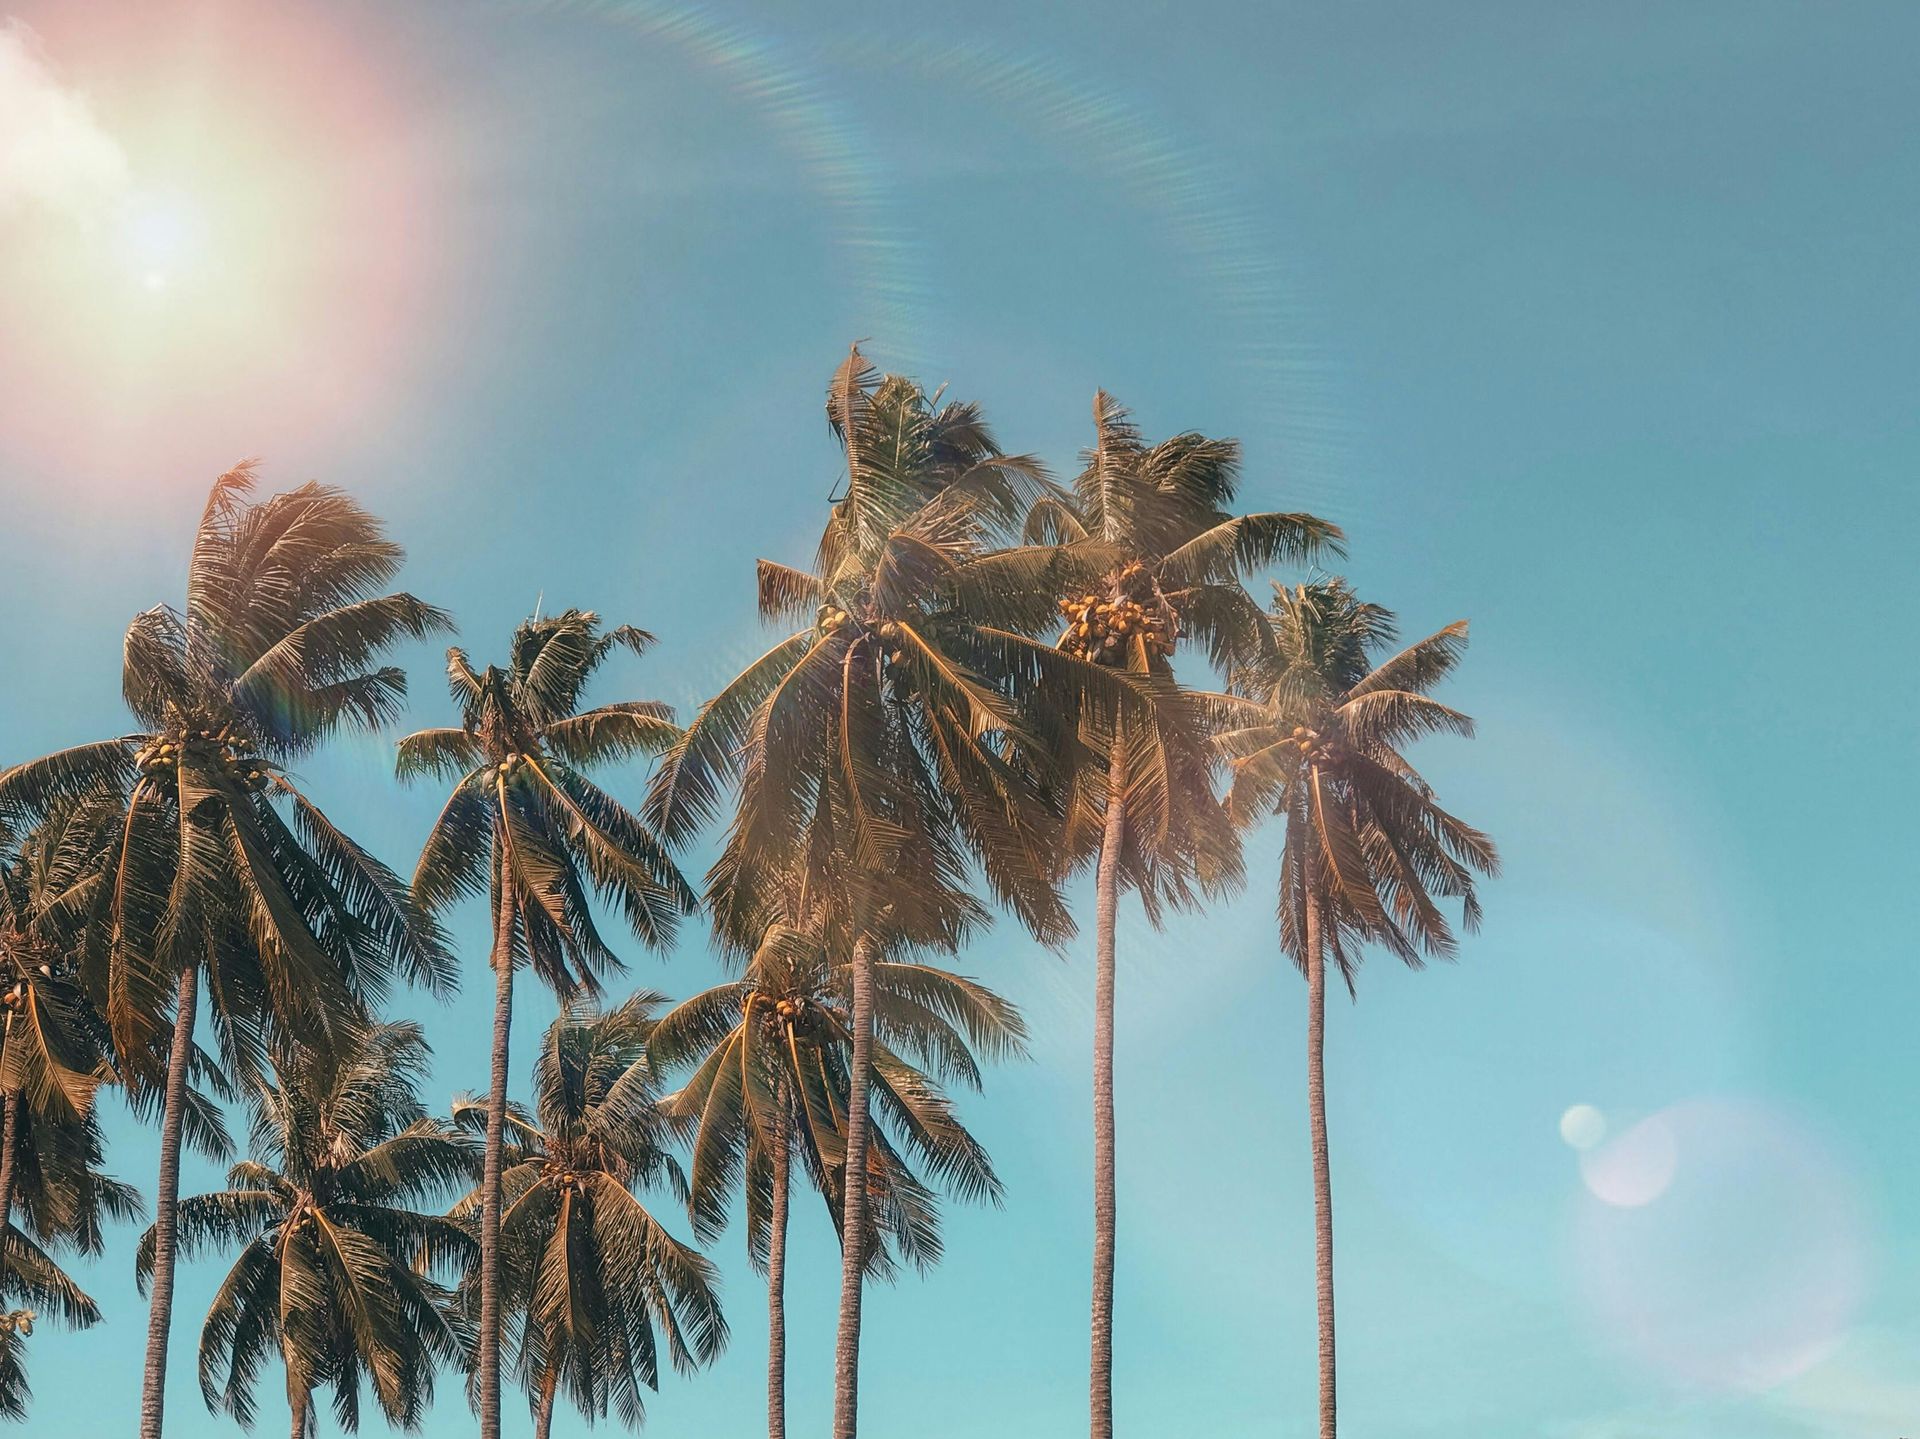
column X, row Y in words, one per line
column 1583, row 1126
column 1720, row 1244
column 1634, row 1169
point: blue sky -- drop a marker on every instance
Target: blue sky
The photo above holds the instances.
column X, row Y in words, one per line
column 1589, row 324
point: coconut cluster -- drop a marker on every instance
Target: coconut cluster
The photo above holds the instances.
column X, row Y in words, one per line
column 18, row 1321
column 1101, row 627
column 565, row 1176
column 789, row 1008
column 832, row 620
column 15, row 998
column 512, row 765
column 1318, row 748
column 226, row 747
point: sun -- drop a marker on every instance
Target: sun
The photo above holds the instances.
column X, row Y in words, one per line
column 162, row 234
column 224, row 248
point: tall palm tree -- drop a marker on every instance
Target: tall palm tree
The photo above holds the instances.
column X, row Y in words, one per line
column 770, row 1058
column 595, row 1282
column 526, row 825
column 222, row 871
column 1316, row 736
column 889, row 750
column 1154, row 523
column 337, row 1252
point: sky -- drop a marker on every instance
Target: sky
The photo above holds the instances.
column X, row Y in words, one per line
column 1590, row 324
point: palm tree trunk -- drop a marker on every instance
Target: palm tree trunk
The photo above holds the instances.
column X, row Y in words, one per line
column 777, row 1292
column 9, row 1149
column 166, row 1204
column 489, row 1356
column 1106, row 908
column 853, row 1223
column 543, row 1416
column 301, row 1402
column 1322, row 1173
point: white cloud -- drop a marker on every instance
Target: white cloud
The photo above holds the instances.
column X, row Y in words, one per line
column 54, row 155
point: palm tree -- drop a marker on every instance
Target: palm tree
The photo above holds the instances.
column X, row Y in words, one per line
column 596, row 1283
column 891, row 748
column 1154, row 524
column 770, row 1058
column 220, row 868
column 1315, row 736
column 336, row 1253
column 526, row 825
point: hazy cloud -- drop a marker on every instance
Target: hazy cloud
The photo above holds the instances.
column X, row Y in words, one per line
column 54, row 154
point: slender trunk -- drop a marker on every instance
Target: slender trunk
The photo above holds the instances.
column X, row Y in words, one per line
column 166, row 1203
column 543, row 1416
column 9, row 1148
column 777, row 1292
column 853, row 1222
column 1322, row 1174
column 489, row 1355
column 1106, row 906
column 301, row 1401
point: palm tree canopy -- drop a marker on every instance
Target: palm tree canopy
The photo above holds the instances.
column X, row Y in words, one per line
column 910, row 728
column 339, row 1248
column 1314, row 733
column 522, row 800
column 773, row 1048
column 53, row 1056
column 595, row 1284
column 1153, row 554
column 1167, row 508
column 216, row 858
column 53, row 1049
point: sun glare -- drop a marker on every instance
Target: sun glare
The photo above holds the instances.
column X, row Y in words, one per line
column 162, row 234
column 206, row 246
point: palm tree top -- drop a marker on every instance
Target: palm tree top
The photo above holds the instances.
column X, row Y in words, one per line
column 274, row 649
column 55, row 1050
column 596, row 1096
column 1314, row 731
column 1167, row 507
column 595, row 1283
column 769, row 1051
column 338, row 1242
column 910, row 726
column 522, row 796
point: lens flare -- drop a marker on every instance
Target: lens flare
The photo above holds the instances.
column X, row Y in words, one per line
column 1720, row 1244
column 1583, row 1126
column 1634, row 1169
